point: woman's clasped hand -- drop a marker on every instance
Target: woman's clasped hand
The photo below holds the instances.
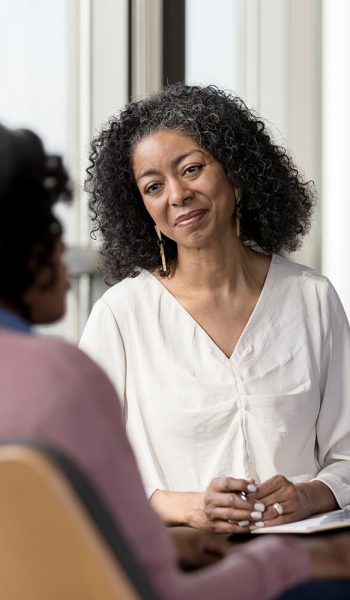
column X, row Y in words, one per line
column 238, row 505
column 230, row 505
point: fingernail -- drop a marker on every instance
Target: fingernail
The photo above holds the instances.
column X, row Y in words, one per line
column 252, row 527
column 251, row 487
column 259, row 524
column 243, row 523
column 259, row 506
column 256, row 515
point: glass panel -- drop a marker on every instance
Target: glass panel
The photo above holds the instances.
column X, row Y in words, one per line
column 211, row 40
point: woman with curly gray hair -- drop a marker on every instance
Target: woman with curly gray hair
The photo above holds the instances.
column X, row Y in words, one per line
column 229, row 359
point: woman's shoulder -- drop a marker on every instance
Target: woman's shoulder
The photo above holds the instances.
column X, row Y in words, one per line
column 131, row 292
column 289, row 268
column 303, row 281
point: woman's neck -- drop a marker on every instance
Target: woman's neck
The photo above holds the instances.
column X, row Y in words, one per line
column 223, row 266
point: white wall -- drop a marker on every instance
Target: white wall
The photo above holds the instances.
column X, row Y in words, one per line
column 211, row 43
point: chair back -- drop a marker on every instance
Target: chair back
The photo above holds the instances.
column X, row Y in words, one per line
column 50, row 546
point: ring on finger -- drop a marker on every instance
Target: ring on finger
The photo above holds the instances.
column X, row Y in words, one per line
column 279, row 508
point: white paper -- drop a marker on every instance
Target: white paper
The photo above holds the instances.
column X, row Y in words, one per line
column 320, row 522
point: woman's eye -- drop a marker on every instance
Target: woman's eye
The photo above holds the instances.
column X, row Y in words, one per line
column 192, row 169
column 152, row 188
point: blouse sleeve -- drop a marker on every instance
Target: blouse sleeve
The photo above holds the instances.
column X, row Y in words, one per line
column 333, row 427
column 103, row 342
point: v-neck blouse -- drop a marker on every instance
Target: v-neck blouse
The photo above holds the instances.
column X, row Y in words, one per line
column 279, row 404
column 255, row 311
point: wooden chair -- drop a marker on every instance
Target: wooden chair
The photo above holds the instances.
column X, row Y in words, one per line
column 57, row 540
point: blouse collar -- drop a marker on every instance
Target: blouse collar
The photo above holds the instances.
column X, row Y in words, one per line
column 12, row 321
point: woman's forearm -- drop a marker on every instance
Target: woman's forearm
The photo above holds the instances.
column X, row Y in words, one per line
column 318, row 496
column 180, row 508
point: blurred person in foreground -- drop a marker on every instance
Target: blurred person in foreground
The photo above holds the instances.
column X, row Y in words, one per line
column 231, row 362
column 52, row 392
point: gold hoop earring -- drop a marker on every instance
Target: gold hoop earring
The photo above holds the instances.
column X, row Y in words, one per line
column 238, row 213
column 164, row 270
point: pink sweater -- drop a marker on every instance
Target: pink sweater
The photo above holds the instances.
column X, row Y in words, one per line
column 52, row 391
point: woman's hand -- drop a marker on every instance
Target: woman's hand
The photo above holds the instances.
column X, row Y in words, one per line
column 227, row 509
column 219, row 509
column 286, row 502
column 222, row 508
column 198, row 548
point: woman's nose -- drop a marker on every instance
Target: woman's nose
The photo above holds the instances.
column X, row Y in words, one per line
column 178, row 192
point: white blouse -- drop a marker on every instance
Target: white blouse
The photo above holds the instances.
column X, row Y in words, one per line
column 279, row 404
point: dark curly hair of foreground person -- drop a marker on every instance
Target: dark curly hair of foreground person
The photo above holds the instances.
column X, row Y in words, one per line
column 276, row 203
column 31, row 182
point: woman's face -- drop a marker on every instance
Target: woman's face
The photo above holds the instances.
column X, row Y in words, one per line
column 185, row 190
column 46, row 299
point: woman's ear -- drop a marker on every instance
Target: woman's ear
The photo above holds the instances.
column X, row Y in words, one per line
column 237, row 191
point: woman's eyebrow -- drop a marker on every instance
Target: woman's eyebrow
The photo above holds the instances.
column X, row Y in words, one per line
column 181, row 157
column 174, row 162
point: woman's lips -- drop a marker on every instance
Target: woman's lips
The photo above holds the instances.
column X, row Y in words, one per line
column 189, row 218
